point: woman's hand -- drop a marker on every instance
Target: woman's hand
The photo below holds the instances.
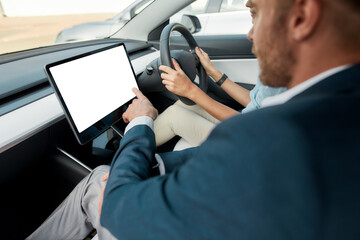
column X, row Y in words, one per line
column 176, row 81
column 209, row 67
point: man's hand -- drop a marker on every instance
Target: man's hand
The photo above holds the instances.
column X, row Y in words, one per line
column 103, row 179
column 139, row 107
column 176, row 81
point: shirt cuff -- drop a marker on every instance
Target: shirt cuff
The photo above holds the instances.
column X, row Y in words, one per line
column 143, row 120
column 160, row 164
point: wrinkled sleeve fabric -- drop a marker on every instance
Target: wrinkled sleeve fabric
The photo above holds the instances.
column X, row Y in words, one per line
column 219, row 193
column 175, row 159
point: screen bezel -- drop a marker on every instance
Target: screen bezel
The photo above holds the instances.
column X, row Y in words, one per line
column 100, row 126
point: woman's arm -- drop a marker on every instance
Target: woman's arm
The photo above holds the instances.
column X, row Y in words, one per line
column 176, row 81
column 238, row 93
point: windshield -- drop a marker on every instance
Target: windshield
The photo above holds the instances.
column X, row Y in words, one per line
column 31, row 24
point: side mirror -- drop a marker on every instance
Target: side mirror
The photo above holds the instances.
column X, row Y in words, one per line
column 191, row 22
column 125, row 17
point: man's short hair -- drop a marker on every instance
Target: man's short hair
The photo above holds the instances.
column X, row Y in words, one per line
column 353, row 4
column 348, row 25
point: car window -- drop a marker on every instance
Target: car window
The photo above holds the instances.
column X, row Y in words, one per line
column 138, row 8
column 197, row 7
column 32, row 24
column 226, row 17
column 232, row 5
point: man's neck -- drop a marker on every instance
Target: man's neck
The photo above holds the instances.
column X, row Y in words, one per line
column 313, row 61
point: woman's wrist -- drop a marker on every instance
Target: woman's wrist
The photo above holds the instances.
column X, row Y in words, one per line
column 216, row 75
column 192, row 93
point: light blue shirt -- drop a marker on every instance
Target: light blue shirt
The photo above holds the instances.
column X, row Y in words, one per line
column 258, row 94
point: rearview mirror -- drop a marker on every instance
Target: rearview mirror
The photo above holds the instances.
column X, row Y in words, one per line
column 191, row 22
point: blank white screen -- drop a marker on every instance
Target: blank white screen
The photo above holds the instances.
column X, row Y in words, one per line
column 95, row 85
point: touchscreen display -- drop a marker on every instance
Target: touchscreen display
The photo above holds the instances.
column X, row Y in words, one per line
column 95, row 85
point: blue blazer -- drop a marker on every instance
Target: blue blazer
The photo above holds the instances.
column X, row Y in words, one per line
column 285, row 172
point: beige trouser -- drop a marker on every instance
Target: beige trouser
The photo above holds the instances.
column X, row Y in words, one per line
column 192, row 123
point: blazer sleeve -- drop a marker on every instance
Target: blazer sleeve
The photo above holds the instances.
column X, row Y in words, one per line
column 133, row 160
column 173, row 160
column 226, row 190
column 138, row 207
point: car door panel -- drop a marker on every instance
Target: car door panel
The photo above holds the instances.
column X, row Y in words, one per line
column 239, row 70
column 236, row 22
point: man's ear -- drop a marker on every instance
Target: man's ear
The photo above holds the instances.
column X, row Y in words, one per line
column 305, row 17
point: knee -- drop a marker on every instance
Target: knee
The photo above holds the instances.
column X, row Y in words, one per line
column 168, row 116
column 170, row 111
column 99, row 171
column 94, row 177
column 102, row 168
column 174, row 111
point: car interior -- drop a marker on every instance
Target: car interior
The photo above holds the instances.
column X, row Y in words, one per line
column 41, row 160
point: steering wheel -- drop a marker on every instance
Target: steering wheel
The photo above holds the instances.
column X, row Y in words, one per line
column 185, row 58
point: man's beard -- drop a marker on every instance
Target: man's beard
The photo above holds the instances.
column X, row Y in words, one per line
column 275, row 65
column 276, row 57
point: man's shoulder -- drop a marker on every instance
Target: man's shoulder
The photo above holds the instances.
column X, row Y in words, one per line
column 282, row 122
column 278, row 122
column 258, row 118
column 317, row 111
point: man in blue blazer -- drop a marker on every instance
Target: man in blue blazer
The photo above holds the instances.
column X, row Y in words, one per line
column 287, row 171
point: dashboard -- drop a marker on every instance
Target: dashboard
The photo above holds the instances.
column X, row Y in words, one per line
column 28, row 103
